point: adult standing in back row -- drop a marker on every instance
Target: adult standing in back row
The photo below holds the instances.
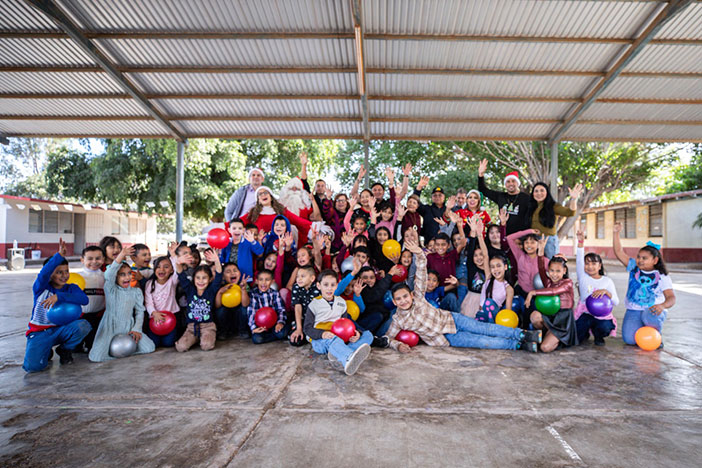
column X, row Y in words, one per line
column 244, row 198
column 513, row 200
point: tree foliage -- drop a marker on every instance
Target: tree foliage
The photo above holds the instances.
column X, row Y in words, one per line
column 689, row 176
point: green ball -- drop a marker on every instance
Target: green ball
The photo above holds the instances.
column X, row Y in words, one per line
column 548, row 305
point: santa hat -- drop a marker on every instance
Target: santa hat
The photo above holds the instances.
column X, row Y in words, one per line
column 513, row 175
column 267, row 189
column 256, row 169
column 480, row 197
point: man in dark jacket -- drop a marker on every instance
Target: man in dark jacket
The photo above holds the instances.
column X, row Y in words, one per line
column 513, row 200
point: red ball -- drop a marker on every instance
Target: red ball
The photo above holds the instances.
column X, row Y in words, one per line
column 399, row 278
column 218, row 238
column 409, row 338
column 165, row 326
column 344, row 329
column 266, row 317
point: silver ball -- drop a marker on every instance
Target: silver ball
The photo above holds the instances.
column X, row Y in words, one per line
column 122, row 345
column 347, row 265
column 538, row 284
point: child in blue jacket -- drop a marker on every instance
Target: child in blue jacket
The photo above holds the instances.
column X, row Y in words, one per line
column 50, row 289
column 241, row 249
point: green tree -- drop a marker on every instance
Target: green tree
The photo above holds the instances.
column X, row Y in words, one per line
column 21, row 164
column 689, row 176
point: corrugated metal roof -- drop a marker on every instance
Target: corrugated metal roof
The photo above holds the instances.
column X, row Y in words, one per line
column 81, row 127
column 59, row 107
column 243, row 83
column 52, row 82
column 468, row 110
column 214, row 15
column 510, row 18
column 232, row 52
column 458, row 130
column 477, row 85
column 512, row 61
column 249, row 107
column 272, row 127
column 625, row 111
column 489, row 55
column 611, row 132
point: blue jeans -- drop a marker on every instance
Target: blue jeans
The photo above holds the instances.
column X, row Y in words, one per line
column 473, row 334
column 462, row 291
column 450, row 302
column 552, row 247
column 270, row 335
column 165, row 341
column 386, row 325
column 39, row 344
column 231, row 321
column 600, row 328
column 635, row 319
column 340, row 350
column 370, row 321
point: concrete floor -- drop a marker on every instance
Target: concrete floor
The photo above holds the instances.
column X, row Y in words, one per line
column 271, row 405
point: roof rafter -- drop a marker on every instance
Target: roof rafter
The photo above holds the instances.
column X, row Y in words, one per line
column 49, row 8
column 262, row 35
column 651, row 28
column 357, row 16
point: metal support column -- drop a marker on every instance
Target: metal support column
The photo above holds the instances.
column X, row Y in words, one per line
column 366, row 164
column 180, row 184
column 554, row 170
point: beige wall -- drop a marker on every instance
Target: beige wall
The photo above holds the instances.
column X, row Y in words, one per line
column 679, row 216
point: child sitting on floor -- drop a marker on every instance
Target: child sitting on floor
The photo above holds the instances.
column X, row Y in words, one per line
column 438, row 327
column 92, row 259
column 160, row 296
column 200, row 294
column 50, row 289
column 560, row 327
column 264, row 296
column 329, row 308
column 124, row 311
column 593, row 282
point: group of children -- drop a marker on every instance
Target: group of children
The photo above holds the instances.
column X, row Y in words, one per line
column 447, row 291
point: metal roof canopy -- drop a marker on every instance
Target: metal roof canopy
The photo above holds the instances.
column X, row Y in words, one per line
column 590, row 70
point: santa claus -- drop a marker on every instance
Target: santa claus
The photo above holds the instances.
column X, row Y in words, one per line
column 298, row 201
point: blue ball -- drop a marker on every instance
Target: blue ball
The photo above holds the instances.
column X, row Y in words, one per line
column 518, row 304
column 387, row 301
column 64, row 313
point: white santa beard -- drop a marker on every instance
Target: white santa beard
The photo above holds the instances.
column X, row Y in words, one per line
column 295, row 202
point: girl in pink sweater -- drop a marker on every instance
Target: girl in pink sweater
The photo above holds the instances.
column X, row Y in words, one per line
column 160, row 296
column 559, row 328
column 528, row 262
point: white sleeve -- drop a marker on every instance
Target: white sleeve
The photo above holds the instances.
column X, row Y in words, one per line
column 613, row 290
column 580, row 263
column 666, row 283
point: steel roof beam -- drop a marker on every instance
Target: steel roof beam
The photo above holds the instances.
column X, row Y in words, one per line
column 652, row 27
column 50, row 9
column 357, row 15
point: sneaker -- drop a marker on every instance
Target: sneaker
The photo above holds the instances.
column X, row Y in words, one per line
column 599, row 341
column 529, row 346
column 380, row 342
column 532, row 336
column 65, row 355
column 334, row 362
column 357, row 357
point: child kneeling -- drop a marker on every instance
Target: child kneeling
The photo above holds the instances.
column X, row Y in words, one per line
column 438, row 327
column 326, row 309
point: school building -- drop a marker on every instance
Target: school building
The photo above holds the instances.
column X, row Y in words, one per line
column 36, row 225
column 666, row 220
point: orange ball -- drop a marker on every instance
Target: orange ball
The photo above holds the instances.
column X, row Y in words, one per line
column 648, row 338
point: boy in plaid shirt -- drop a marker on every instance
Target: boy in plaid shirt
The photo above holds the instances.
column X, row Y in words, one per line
column 263, row 296
column 438, row 327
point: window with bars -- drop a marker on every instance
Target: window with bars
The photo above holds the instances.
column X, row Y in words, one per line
column 600, row 225
column 115, row 225
column 36, row 220
column 655, row 220
column 51, row 221
column 65, row 223
column 627, row 217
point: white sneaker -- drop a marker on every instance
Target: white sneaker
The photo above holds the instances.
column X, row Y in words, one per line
column 356, row 358
column 334, row 362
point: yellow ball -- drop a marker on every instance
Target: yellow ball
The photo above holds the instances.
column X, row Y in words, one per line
column 232, row 296
column 391, row 248
column 352, row 309
column 324, row 325
column 78, row 280
column 507, row 318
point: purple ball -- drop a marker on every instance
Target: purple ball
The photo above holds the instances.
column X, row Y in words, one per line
column 599, row 306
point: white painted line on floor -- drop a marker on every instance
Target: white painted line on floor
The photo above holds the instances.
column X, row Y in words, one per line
column 566, row 446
